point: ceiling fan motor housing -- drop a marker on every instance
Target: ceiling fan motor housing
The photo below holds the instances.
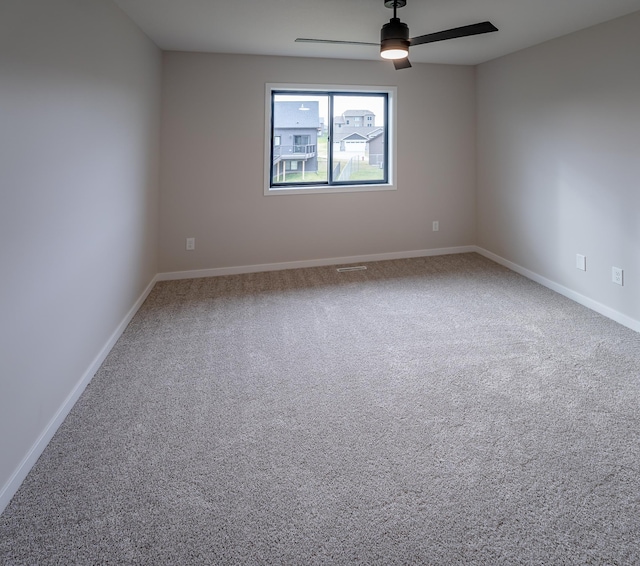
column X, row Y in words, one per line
column 394, row 35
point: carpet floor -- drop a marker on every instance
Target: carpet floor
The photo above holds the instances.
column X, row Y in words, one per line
column 439, row 410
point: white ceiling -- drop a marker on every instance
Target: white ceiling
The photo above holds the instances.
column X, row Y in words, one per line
column 269, row 27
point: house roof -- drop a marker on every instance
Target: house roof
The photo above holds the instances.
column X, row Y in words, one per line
column 358, row 113
column 377, row 133
column 363, row 133
column 288, row 114
column 355, row 136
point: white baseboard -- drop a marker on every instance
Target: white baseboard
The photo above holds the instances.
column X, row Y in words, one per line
column 14, row 482
column 604, row 310
column 215, row 272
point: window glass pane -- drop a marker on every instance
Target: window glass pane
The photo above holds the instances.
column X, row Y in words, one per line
column 299, row 134
column 359, row 138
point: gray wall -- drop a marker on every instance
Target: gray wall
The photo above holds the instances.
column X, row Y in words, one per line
column 212, row 183
column 79, row 143
column 559, row 160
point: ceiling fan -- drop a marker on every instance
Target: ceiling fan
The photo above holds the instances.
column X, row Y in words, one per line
column 394, row 37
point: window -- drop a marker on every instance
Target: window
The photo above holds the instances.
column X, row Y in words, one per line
column 300, row 142
column 317, row 139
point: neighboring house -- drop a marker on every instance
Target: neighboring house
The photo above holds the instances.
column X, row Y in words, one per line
column 374, row 152
column 355, row 119
column 295, row 138
column 352, row 131
column 353, row 142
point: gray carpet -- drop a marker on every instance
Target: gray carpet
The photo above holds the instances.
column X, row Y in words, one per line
column 428, row 411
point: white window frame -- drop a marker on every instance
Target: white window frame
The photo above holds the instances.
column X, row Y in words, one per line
column 390, row 185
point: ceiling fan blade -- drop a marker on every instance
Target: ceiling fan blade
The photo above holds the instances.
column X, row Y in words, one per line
column 336, row 41
column 401, row 63
column 464, row 31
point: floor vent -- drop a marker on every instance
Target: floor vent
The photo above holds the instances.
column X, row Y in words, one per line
column 354, row 268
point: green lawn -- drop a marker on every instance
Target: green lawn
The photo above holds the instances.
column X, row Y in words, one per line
column 366, row 172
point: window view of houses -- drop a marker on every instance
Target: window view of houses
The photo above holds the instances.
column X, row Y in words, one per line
column 296, row 132
column 301, row 133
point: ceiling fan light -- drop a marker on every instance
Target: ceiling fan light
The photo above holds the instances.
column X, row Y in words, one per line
column 394, row 52
column 394, row 40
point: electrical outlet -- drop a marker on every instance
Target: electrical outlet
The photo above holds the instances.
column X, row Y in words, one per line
column 436, row 225
column 191, row 244
column 616, row 275
column 581, row 262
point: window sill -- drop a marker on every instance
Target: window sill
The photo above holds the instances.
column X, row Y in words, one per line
column 322, row 189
